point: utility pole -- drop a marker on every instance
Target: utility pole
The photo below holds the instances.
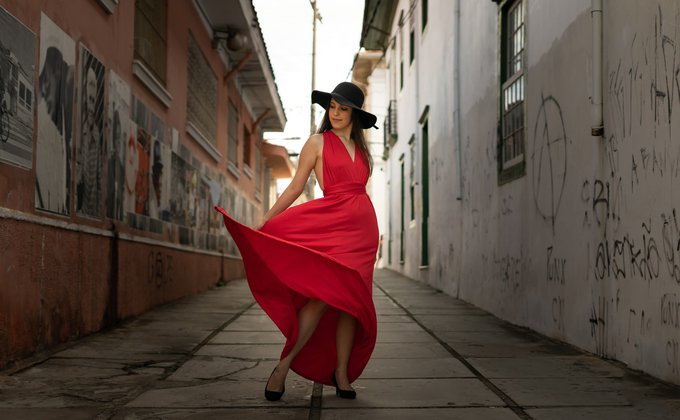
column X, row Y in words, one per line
column 317, row 16
column 311, row 182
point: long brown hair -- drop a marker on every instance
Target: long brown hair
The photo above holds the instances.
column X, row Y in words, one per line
column 357, row 135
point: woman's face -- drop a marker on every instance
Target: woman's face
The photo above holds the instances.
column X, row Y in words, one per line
column 339, row 115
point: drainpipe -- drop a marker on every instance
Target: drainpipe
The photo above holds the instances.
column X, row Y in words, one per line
column 597, row 128
column 456, row 94
column 456, row 121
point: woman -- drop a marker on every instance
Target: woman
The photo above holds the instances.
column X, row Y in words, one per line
column 310, row 266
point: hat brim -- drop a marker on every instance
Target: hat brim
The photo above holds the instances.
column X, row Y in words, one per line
column 367, row 119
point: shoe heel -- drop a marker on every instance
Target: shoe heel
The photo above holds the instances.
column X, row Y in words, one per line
column 343, row 393
column 273, row 395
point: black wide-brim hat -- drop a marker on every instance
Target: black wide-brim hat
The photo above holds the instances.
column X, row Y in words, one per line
column 347, row 94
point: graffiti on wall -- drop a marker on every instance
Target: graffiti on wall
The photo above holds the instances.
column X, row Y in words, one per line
column 549, row 159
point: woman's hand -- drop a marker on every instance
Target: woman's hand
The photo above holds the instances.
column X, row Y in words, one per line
column 259, row 225
column 310, row 152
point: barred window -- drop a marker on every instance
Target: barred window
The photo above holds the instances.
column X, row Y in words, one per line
column 246, row 146
column 258, row 169
column 151, row 35
column 201, row 93
column 512, row 97
column 233, row 134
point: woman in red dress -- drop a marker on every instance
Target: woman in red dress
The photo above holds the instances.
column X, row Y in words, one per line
column 310, row 266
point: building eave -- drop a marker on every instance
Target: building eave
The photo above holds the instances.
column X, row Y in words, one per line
column 378, row 17
column 277, row 159
column 255, row 79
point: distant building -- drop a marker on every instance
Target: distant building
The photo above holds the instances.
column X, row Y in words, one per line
column 372, row 82
column 533, row 173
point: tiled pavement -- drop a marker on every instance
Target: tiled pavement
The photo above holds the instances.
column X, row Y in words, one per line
column 209, row 356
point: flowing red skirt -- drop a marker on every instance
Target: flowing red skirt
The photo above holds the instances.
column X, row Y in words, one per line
column 323, row 249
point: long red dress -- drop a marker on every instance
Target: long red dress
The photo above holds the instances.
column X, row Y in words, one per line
column 323, row 249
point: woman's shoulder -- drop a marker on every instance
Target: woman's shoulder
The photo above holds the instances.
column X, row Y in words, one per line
column 315, row 140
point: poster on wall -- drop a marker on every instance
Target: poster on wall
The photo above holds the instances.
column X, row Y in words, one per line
column 119, row 134
column 178, row 201
column 140, row 113
column 142, row 176
column 90, row 143
column 159, row 187
column 131, row 167
column 17, row 96
column 55, row 118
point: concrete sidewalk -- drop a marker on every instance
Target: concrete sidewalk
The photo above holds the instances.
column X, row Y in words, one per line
column 209, row 356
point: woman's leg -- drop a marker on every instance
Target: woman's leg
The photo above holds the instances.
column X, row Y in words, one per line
column 344, row 339
column 308, row 319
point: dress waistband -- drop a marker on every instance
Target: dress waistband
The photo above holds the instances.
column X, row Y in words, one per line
column 351, row 189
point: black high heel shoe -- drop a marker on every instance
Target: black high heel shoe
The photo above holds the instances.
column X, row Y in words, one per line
column 273, row 395
column 343, row 393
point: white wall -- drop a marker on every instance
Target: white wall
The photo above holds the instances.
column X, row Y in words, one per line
column 585, row 246
column 376, row 184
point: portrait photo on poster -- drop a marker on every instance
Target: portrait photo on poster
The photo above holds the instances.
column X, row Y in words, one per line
column 119, row 133
column 56, row 82
column 90, row 144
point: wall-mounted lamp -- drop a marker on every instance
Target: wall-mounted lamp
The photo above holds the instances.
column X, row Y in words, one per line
column 235, row 39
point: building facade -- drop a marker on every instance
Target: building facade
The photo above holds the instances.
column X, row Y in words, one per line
column 514, row 185
column 122, row 124
column 372, row 83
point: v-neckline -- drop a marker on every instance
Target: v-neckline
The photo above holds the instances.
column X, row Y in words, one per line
column 352, row 158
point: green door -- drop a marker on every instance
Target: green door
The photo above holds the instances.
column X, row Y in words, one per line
column 401, row 236
column 425, row 190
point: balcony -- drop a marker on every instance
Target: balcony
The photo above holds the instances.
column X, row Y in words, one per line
column 390, row 126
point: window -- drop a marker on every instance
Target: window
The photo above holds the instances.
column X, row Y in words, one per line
column 22, row 95
column 512, row 96
column 246, row 146
column 424, row 189
column 401, row 75
column 390, row 126
column 201, row 94
column 401, row 50
column 423, row 14
column 232, row 147
column 412, row 175
column 412, row 33
column 401, row 226
column 151, row 36
column 258, row 170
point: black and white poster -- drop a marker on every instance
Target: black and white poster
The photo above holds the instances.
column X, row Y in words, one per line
column 119, row 133
column 55, row 118
column 17, row 95
column 90, row 144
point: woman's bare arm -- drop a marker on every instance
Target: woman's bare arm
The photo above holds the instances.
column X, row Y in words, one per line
column 308, row 155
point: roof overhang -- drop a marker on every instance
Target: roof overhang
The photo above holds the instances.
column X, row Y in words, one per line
column 378, row 16
column 364, row 64
column 254, row 75
column 277, row 159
